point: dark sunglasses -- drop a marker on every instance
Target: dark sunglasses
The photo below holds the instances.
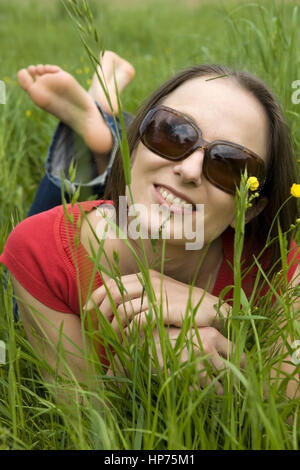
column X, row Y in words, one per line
column 172, row 135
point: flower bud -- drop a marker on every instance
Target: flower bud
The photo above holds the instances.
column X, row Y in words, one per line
column 253, row 183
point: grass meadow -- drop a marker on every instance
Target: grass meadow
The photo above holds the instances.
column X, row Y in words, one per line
column 140, row 410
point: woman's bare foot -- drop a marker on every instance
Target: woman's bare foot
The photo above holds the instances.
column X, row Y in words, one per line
column 57, row 92
column 112, row 67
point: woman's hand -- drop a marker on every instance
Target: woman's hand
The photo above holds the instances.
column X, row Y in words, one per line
column 175, row 295
column 210, row 351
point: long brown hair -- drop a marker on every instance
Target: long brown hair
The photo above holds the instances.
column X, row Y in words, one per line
column 281, row 167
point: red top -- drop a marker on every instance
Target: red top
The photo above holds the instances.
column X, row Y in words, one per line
column 45, row 255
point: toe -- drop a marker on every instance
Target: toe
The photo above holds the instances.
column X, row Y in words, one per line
column 32, row 70
column 110, row 56
column 51, row 68
column 40, row 69
column 25, row 79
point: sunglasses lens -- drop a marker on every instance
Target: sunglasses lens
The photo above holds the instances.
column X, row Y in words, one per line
column 227, row 163
column 168, row 134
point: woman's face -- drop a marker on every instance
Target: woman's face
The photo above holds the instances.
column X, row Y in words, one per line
column 223, row 111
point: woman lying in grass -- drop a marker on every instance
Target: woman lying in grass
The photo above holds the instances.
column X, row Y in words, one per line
column 189, row 144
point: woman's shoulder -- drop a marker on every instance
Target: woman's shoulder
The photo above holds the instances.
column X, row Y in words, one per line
column 32, row 230
column 40, row 234
column 39, row 227
column 94, row 225
column 30, row 254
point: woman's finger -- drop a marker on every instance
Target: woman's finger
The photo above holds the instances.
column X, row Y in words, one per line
column 127, row 313
column 206, row 369
column 134, row 301
column 213, row 340
column 131, row 288
column 216, row 362
column 205, row 381
column 219, row 318
column 226, row 348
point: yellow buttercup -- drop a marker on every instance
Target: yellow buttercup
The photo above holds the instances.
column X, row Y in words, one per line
column 253, row 183
column 295, row 190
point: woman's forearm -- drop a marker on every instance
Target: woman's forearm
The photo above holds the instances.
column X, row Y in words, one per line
column 56, row 337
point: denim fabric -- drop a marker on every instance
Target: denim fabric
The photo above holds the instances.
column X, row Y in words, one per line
column 65, row 147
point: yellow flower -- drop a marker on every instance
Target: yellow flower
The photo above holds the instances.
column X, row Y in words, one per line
column 28, row 113
column 295, row 190
column 86, row 70
column 253, row 183
column 89, row 82
column 79, row 71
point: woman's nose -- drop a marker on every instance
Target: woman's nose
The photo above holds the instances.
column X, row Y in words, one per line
column 190, row 169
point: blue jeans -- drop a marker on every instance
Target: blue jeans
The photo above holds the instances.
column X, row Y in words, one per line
column 65, row 147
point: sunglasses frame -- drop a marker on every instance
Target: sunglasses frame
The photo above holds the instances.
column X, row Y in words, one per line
column 200, row 143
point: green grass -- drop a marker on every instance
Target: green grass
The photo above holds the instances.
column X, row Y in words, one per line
column 147, row 412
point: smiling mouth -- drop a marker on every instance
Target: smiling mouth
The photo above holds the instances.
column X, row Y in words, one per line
column 167, row 197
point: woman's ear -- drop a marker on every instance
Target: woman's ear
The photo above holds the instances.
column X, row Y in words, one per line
column 257, row 207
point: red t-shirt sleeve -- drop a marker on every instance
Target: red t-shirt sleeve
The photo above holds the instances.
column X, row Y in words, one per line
column 32, row 256
column 293, row 259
